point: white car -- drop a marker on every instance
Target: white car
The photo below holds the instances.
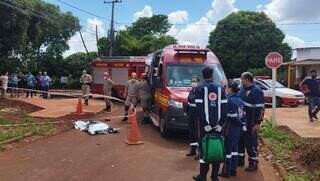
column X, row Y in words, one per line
column 284, row 95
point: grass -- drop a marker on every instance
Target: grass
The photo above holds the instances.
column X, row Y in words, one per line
column 282, row 146
column 9, row 133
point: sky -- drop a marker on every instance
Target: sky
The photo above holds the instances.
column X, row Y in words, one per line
column 193, row 20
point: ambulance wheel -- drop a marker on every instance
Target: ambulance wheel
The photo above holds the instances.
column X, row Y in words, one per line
column 278, row 102
column 165, row 133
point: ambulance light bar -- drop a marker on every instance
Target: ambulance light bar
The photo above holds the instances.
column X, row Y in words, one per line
column 189, row 49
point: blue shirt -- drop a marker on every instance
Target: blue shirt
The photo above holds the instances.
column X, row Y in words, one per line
column 31, row 81
column 252, row 98
column 14, row 80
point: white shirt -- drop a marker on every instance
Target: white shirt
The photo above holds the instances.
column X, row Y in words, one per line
column 4, row 79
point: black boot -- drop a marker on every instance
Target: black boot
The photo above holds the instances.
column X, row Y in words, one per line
column 204, row 168
column 253, row 166
column 215, row 171
column 226, row 170
column 108, row 108
column 86, row 102
column 192, row 151
column 241, row 161
column 126, row 109
column 233, row 173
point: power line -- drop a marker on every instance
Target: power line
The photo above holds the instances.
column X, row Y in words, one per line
column 82, row 10
column 40, row 15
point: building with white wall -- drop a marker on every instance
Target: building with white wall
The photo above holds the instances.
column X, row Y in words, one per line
column 306, row 59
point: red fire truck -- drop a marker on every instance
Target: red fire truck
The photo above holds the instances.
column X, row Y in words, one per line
column 119, row 68
column 170, row 71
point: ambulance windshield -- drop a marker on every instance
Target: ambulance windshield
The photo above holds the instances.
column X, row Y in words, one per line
column 179, row 75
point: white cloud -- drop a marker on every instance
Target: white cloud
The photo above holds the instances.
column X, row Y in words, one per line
column 178, row 17
column 146, row 12
column 294, row 42
column 198, row 32
column 293, row 10
column 220, row 9
column 88, row 33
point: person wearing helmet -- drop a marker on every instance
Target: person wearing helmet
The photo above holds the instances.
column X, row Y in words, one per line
column 107, row 89
column 144, row 96
column 131, row 94
column 85, row 81
column 234, row 125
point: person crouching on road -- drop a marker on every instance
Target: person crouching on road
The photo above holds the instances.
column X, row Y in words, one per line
column 313, row 93
column 131, row 94
column 85, row 81
column 193, row 119
column 211, row 108
column 107, row 89
column 144, row 96
column 252, row 98
column 234, row 124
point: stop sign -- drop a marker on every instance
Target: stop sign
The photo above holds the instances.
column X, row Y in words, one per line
column 273, row 60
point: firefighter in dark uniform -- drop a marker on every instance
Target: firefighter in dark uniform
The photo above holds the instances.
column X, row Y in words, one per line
column 211, row 109
column 193, row 123
column 234, row 124
column 252, row 97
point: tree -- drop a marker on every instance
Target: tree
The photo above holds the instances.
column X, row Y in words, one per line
column 243, row 39
column 156, row 25
column 77, row 62
column 35, row 34
column 146, row 35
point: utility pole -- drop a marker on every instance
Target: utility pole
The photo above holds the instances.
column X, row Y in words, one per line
column 111, row 32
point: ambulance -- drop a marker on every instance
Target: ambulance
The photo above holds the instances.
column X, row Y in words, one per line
column 170, row 71
column 119, row 68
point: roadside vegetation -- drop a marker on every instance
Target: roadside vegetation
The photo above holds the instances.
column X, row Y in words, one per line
column 18, row 133
column 299, row 157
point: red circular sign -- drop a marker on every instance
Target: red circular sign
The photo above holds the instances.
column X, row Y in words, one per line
column 273, row 60
column 212, row 96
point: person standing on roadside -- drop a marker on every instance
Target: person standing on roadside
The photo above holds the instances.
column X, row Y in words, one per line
column 234, row 125
column 85, row 81
column 45, row 84
column 211, row 108
column 31, row 82
column 14, row 84
column 107, row 89
column 193, row 119
column 253, row 101
column 131, row 94
column 4, row 84
column 313, row 94
column 144, row 96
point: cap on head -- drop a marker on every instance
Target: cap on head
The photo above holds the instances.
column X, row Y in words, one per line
column 84, row 72
column 106, row 74
column 134, row 75
column 143, row 75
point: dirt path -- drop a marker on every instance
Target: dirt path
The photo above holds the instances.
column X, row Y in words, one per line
column 75, row 155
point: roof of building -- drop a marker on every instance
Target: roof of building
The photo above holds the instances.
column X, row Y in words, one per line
column 302, row 48
column 303, row 62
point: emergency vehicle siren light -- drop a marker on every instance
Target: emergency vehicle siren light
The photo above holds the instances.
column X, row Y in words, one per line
column 189, row 49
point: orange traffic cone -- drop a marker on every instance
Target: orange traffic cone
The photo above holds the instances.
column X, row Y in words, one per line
column 79, row 107
column 134, row 135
